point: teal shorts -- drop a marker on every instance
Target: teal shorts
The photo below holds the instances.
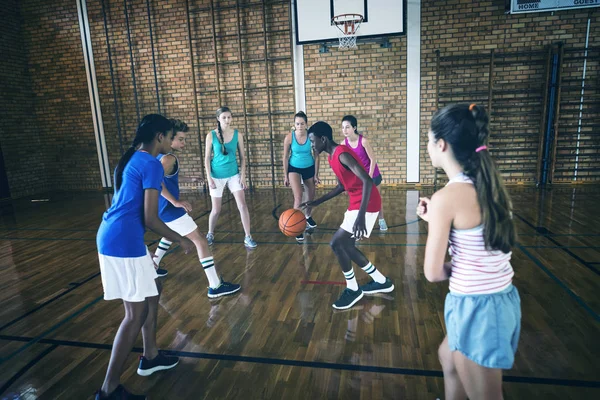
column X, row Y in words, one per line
column 485, row 328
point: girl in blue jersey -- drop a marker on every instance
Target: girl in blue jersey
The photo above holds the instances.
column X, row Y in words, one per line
column 174, row 213
column 222, row 170
column 300, row 166
column 126, row 266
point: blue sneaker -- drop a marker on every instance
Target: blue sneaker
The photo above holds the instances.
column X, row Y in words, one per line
column 348, row 299
column 223, row 289
column 249, row 242
column 374, row 287
column 210, row 238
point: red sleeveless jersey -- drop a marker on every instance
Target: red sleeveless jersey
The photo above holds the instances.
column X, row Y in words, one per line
column 351, row 182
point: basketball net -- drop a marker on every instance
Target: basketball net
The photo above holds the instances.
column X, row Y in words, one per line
column 347, row 25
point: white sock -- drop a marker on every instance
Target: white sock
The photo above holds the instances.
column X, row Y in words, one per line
column 208, row 264
column 374, row 273
column 351, row 280
column 161, row 250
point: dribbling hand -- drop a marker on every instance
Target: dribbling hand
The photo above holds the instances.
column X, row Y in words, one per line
column 422, row 208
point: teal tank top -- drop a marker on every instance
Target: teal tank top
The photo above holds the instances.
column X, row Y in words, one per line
column 301, row 154
column 224, row 166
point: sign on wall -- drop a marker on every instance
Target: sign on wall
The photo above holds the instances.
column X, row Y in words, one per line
column 526, row 6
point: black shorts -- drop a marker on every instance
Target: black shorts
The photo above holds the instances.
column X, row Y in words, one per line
column 377, row 180
column 306, row 173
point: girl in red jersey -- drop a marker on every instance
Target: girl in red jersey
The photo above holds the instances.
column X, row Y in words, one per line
column 359, row 219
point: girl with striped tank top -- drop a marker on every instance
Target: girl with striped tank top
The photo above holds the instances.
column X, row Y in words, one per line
column 222, row 170
column 472, row 216
column 300, row 165
column 362, row 148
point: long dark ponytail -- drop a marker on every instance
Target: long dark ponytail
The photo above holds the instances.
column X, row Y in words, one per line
column 219, row 130
column 465, row 128
column 149, row 126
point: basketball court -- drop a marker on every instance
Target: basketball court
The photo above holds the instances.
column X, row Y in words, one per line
column 279, row 337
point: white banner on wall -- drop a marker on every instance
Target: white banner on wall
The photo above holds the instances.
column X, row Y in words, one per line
column 526, row 6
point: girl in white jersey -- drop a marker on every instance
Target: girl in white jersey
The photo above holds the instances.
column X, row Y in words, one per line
column 471, row 216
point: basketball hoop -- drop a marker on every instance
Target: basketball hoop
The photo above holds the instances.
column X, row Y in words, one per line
column 347, row 25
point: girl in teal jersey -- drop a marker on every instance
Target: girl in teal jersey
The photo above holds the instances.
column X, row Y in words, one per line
column 222, row 170
column 301, row 166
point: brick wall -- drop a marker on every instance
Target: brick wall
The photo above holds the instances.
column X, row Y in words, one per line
column 368, row 82
column 457, row 28
column 61, row 105
column 22, row 144
column 174, row 73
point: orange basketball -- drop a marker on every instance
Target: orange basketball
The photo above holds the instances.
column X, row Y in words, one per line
column 292, row 222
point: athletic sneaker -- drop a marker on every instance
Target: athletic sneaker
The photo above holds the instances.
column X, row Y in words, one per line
column 348, row 299
column 249, row 242
column 310, row 222
column 382, row 225
column 223, row 289
column 120, row 393
column 300, row 238
column 161, row 272
column 210, row 238
column 374, row 287
column 158, row 363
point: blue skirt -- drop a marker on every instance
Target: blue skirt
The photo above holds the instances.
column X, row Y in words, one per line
column 485, row 328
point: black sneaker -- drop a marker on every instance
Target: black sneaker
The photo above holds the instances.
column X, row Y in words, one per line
column 310, row 222
column 158, row 363
column 374, row 287
column 120, row 393
column 223, row 289
column 161, row 272
column 300, row 238
column 348, row 299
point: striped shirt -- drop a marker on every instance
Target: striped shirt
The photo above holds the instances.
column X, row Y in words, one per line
column 476, row 270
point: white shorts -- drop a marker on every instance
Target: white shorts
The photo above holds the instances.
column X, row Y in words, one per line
column 183, row 225
column 350, row 219
column 233, row 183
column 128, row 278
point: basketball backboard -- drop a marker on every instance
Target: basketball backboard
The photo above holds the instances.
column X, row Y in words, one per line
column 380, row 18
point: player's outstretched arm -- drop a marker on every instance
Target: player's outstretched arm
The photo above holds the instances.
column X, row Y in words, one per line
column 336, row 191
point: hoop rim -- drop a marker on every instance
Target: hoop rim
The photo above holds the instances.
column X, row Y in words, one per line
column 358, row 18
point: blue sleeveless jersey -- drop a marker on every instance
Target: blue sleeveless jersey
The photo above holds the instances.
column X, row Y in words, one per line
column 167, row 211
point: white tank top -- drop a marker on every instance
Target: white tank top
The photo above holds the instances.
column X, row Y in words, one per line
column 476, row 270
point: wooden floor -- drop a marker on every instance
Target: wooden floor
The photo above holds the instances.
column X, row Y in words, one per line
column 280, row 338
